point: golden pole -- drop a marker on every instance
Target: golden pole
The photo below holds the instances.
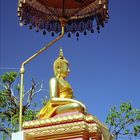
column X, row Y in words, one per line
column 22, row 70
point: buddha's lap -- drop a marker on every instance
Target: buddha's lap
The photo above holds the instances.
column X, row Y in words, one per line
column 69, row 107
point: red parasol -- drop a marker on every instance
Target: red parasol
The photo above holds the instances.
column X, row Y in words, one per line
column 81, row 15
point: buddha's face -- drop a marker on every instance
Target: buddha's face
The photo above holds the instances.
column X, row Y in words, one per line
column 64, row 70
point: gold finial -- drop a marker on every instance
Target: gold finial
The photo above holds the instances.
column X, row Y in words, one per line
column 61, row 53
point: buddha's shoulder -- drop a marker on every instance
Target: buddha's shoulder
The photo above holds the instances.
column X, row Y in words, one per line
column 53, row 79
column 58, row 80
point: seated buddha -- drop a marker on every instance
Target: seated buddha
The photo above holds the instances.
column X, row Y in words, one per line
column 61, row 94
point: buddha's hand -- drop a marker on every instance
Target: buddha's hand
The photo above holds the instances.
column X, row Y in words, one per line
column 75, row 101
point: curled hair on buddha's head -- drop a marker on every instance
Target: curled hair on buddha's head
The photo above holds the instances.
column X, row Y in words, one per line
column 59, row 63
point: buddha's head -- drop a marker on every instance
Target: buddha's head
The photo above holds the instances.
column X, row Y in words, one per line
column 61, row 66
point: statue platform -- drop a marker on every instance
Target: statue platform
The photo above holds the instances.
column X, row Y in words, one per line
column 68, row 126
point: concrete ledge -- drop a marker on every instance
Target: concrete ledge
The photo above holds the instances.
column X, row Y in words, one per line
column 21, row 135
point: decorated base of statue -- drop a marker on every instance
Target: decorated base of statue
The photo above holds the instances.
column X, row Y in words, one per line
column 68, row 126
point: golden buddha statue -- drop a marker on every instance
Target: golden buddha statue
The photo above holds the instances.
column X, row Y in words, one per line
column 61, row 94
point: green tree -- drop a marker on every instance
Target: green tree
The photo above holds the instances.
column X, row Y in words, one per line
column 9, row 103
column 124, row 122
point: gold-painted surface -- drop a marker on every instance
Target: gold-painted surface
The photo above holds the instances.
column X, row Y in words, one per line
column 21, row 96
column 61, row 93
column 68, row 130
column 70, row 126
column 22, row 70
column 63, row 119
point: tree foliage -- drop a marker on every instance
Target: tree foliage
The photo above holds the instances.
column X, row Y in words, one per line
column 125, row 122
column 9, row 103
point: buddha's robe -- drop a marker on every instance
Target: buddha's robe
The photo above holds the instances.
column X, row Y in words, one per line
column 64, row 90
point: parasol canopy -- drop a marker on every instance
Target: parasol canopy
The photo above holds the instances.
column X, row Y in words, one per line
column 81, row 15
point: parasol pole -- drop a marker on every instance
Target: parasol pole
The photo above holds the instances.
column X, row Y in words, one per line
column 63, row 22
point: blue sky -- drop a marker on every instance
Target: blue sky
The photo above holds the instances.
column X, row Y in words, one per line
column 105, row 67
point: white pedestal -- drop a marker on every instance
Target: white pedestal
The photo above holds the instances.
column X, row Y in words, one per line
column 21, row 135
